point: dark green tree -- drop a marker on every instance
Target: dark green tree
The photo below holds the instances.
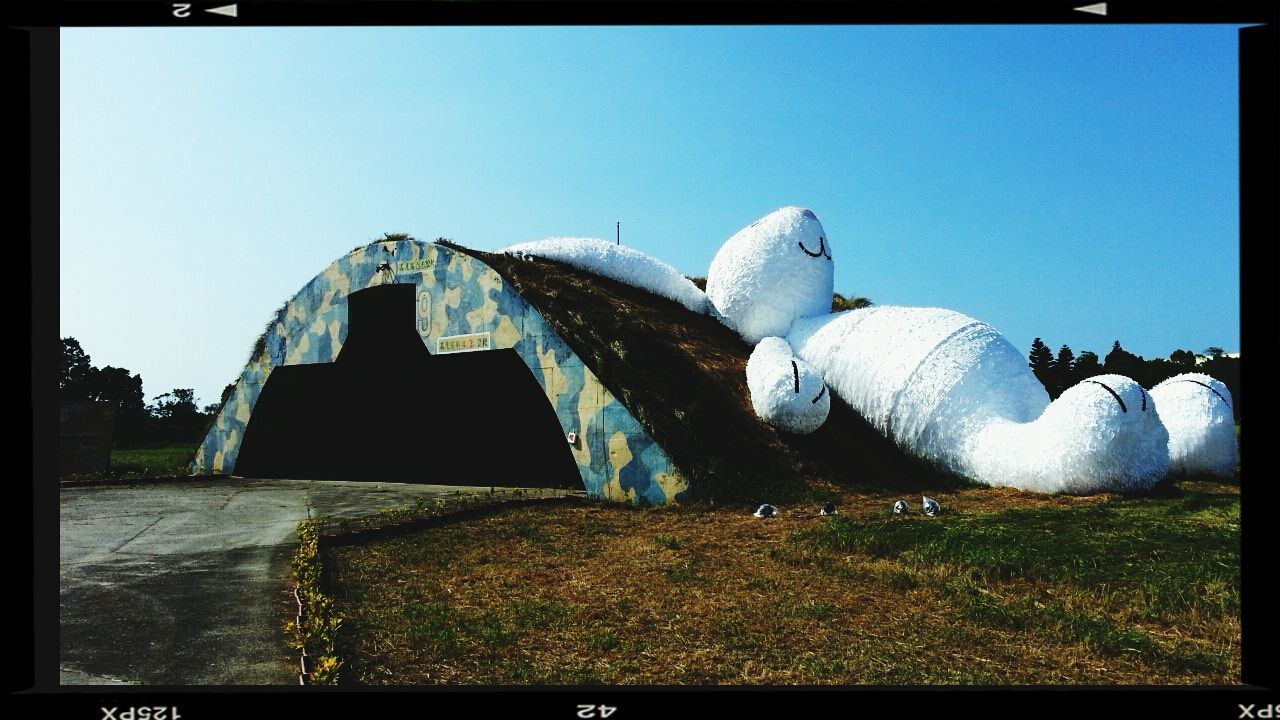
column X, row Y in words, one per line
column 1183, row 357
column 1061, row 372
column 124, row 391
column 1157, row 370
column 1086, row 366
column 79, row 380
column 177, row 417
column 117, row 386
column 840, row 303
column 178, row 403
column 75, row 371
column 1122, row 362
column 1041, row 360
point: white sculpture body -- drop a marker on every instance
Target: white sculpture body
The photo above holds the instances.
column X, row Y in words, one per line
column 943, row 385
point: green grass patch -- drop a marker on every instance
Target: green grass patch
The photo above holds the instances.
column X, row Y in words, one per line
column 685, row 570
column 603, row 641
column 671, row 542
column 807, row 610
column 1178, row 554
column 1099, row 633
column 150, row 461
column 1105, row 576
column 431, row 625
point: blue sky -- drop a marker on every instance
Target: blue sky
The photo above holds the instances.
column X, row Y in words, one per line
column 1075, row 183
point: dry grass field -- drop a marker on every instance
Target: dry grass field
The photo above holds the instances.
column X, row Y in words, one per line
column 1004, row 587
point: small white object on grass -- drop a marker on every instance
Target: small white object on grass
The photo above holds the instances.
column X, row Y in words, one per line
column 931, row 506
column 766, row 510
column 828, row 509
column 900, row 507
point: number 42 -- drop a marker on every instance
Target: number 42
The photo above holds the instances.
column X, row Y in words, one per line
column 590, row 711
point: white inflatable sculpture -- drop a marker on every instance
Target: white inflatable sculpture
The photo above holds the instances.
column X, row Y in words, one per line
column 943, row 385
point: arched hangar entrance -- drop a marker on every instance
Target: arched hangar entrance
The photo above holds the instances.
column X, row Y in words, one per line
column 386, row 409
column 412, row 362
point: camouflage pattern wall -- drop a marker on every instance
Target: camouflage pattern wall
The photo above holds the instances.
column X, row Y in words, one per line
column 463, row 304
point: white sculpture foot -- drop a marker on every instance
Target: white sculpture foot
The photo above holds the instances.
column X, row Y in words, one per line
column 1197, row 412
column 1103, row 434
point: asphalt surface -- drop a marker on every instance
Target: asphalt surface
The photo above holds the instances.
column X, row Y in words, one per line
column 184, row 583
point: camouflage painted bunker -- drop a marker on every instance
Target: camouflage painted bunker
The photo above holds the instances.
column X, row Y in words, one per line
column 460, row 308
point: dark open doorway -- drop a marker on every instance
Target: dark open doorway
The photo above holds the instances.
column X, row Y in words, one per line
column 387, row 409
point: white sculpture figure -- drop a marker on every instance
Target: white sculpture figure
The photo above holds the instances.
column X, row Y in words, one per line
column 943, row 385
column 1197, row 411
column 785, row 391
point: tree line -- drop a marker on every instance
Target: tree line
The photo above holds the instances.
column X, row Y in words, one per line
column 1065, row 369
column 171, row 417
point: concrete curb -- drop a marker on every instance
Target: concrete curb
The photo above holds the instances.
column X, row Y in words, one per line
column 96, row 482
column 344, row 538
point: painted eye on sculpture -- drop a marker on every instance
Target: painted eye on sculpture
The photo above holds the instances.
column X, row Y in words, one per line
column 1123, row 408
column 818, row 397
column 822, row 249
column 1209, row 388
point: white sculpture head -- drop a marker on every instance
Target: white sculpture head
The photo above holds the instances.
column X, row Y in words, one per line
column 772, row 272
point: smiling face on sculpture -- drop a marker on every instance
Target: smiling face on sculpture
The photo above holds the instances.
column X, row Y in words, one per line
column 770, row 273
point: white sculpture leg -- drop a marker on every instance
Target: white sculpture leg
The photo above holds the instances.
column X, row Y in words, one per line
column 951, row 389
column 1197, row 411
column 1102, row 434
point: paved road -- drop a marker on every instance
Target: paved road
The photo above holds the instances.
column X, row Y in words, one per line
column 183, row 583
